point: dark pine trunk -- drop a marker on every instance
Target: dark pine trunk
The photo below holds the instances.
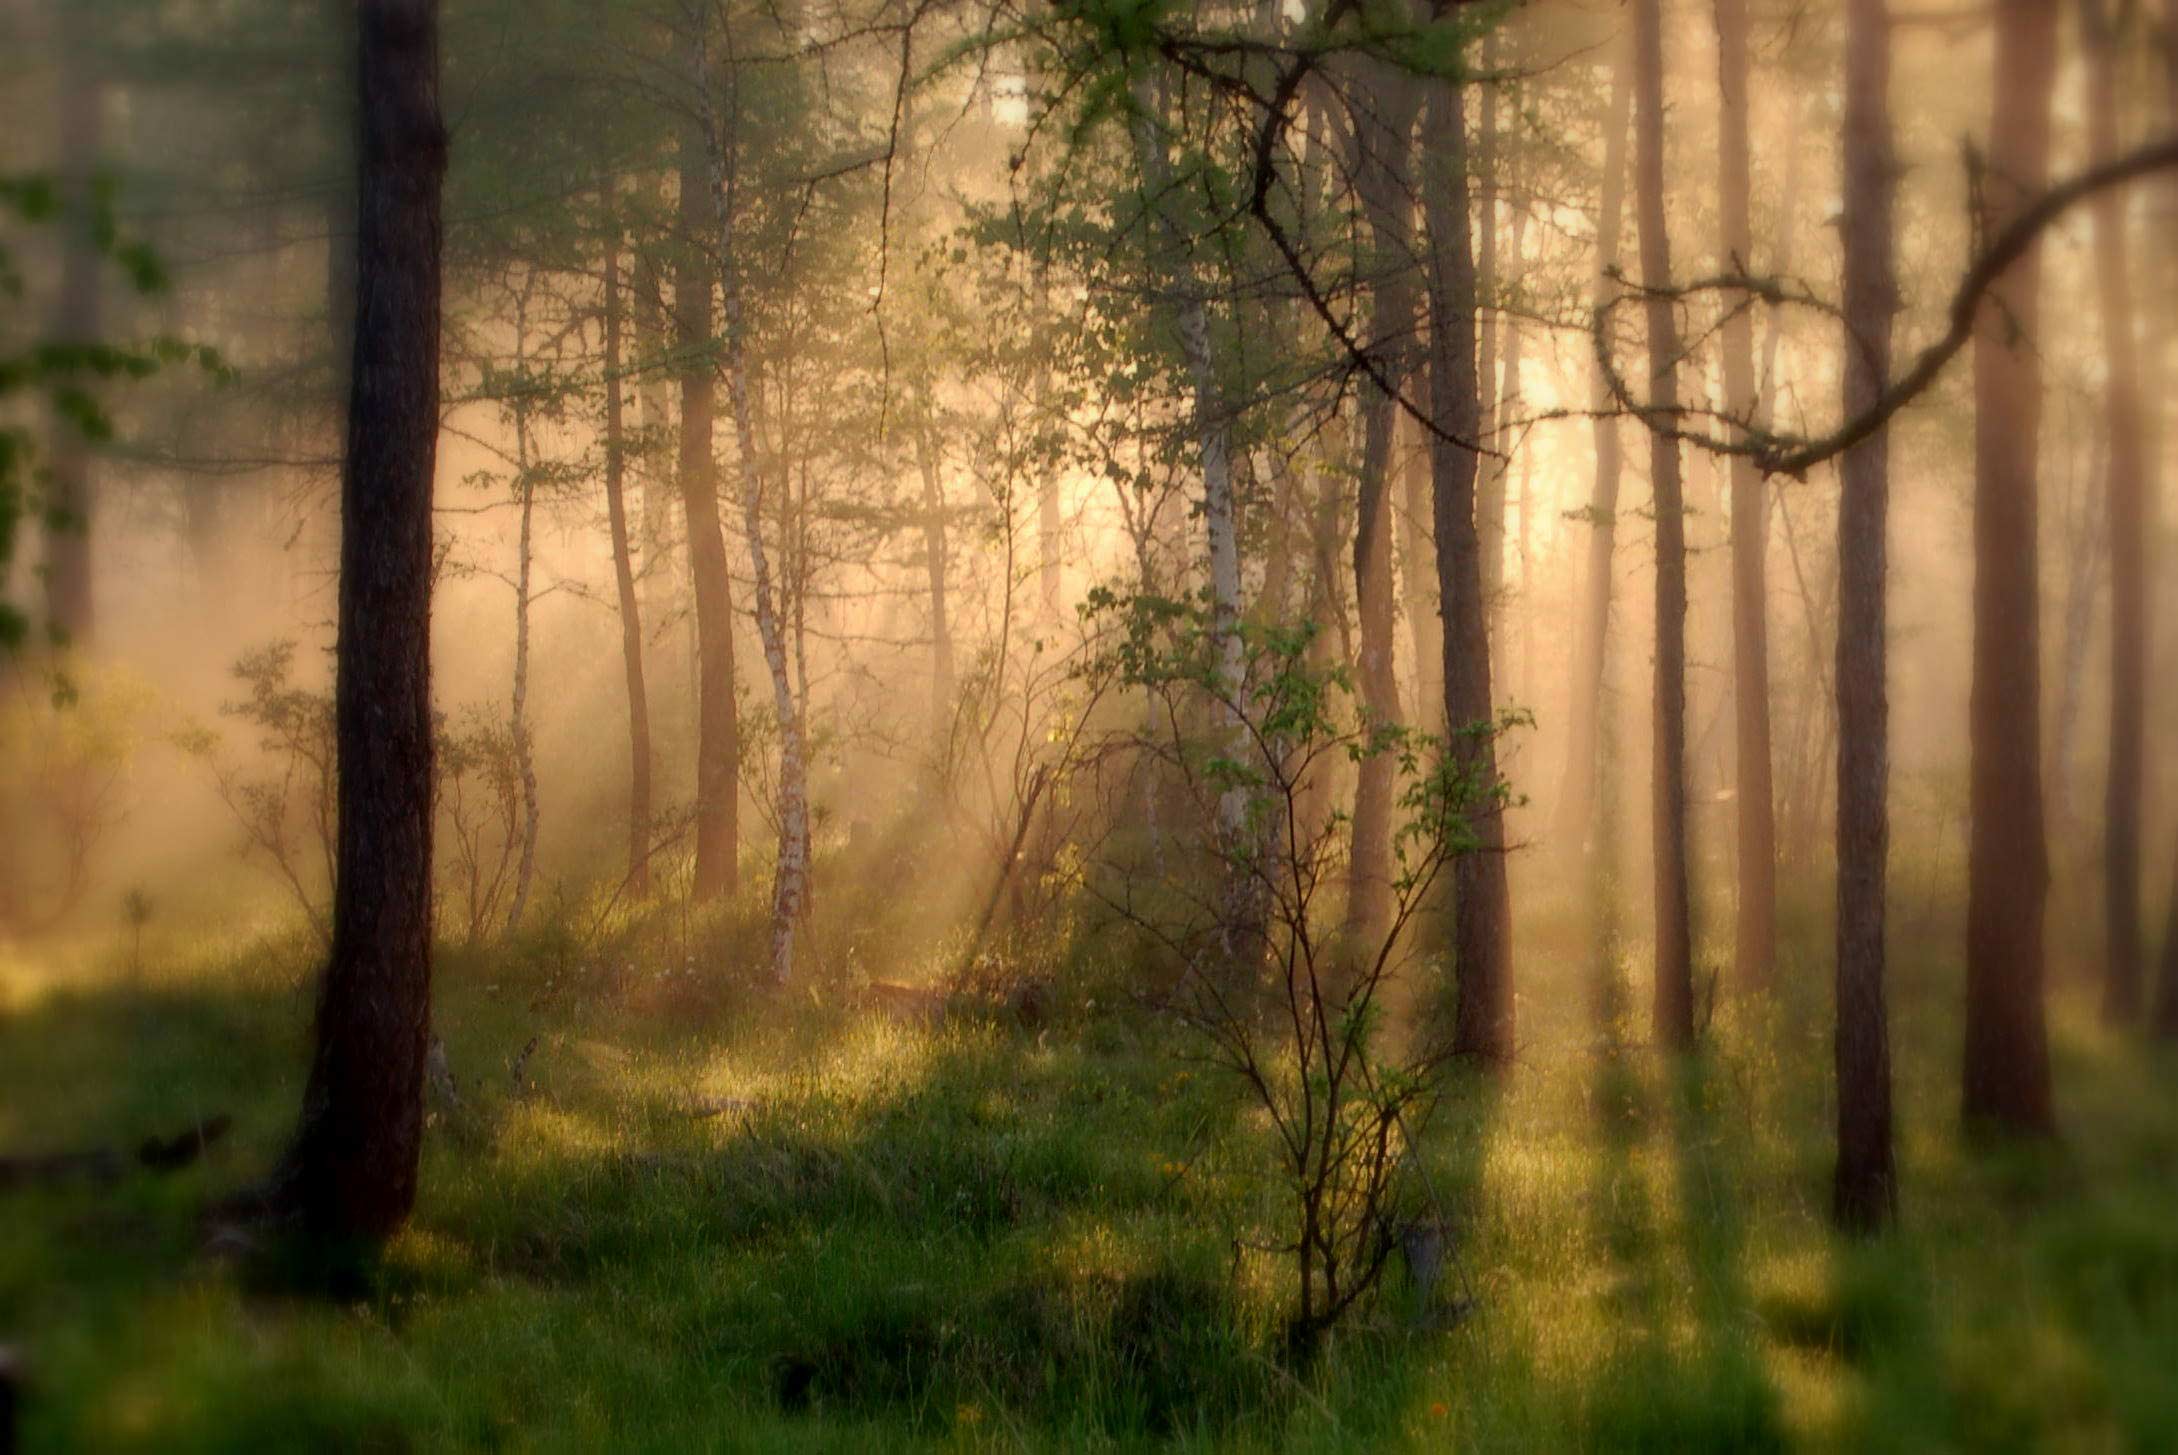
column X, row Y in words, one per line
column 1864, row 1193
column 1674, row 1010
column 718, row 723
column 2130, row 488
column 1482, row 894
column 1577, row 796
column 350, row 1174
column 2166, row 990
column 631, row 611
column 1383, row 147
column 2007, row 1086
column 1755, row 930
column 1490, row 476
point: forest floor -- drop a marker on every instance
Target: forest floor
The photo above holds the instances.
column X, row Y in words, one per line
column 705, row 1218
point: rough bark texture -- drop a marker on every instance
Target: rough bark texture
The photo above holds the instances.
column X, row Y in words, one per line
column 2006, row 1081
column 1864, row 1192
column 1482, row 892
column 718, row 724
column 1383, row 146
column 2166, row 991
column 1755, row 928
column 350, row 1174
column 2130, row 487
column 631, row 609
column 1577, row 795
column 1674, row 1009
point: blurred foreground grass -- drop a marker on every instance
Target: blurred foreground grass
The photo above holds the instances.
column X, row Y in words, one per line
column 708, row 1218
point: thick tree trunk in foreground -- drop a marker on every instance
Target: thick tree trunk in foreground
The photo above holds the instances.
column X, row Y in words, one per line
column 1584, row 714
column 2166, row 991
column 350, row 1174
column 718, row 723
column 2131, row 486
column 1755, row 929
column 1383, row 168
column 1864, row 1192
column 631, row 608
column 1482, row 892
column 1674, row 1011
column 2006, row 1081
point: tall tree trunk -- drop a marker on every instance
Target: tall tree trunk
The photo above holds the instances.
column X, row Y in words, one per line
column 1490, row 482
column 2130, row 488
column 2006, row 1081
column 1674, row 1011
column 350, row 1174
column 1482, row 892
column 1383, row 127
column 631, row 610
column 652, row 527
column 1418, row 567
column 1584, row 715
column 1755, row 930
column 525, row 754
column 718, row 724
column 2166, row 990
column 790, row 875
column 1498, row 469
column 1864, row 1192
column 1191, row 316
column 934, row 562
column 70, row 608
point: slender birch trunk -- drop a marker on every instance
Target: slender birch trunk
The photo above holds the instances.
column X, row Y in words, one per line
column 790, row 882
column 1191, row 315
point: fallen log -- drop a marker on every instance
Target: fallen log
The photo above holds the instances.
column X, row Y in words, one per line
column 106, row 1165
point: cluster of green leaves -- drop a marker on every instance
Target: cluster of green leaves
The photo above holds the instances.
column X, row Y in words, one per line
column 68, row 376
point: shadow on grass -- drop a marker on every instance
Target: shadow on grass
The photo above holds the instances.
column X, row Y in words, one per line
column 1682, row 1372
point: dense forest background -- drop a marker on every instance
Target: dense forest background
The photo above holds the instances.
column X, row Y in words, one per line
column 1066, row 724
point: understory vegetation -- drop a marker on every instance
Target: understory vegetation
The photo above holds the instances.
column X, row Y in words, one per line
column 670, row 1208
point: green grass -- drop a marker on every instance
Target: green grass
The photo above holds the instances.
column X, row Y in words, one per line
column 974, row 1238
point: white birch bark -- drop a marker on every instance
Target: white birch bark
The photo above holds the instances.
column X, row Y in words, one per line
column 790, row 883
